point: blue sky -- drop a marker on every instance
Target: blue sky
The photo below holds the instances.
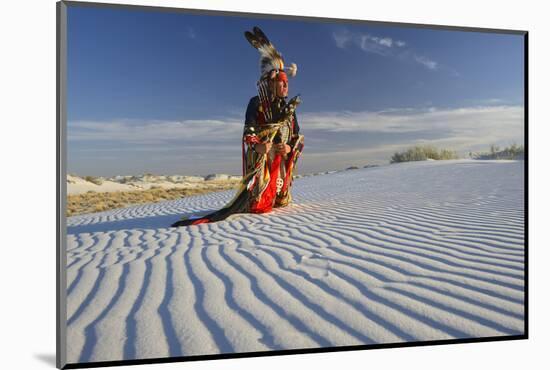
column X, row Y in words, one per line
column 166, row 93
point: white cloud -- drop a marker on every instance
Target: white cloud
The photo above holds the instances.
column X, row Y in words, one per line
column 386, row 41
column 430, row 64
column 154, row 131
column 327, row 136
column 342, row 38
column 461, row 129
column 374, row 44
column 482, row 120
column 479, row 119
column 385, row 46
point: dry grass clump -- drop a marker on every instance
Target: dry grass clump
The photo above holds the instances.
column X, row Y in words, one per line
column 98, row 202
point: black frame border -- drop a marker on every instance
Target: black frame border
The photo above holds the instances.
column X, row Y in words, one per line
column 61, row 155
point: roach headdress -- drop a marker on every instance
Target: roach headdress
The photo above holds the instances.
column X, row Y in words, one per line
column 272, row 68
column 271, row 61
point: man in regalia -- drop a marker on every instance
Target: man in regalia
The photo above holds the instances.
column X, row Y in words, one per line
column 273, row 188
column 271, row 140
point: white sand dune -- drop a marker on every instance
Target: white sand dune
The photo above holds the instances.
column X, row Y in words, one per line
column 79, row 185
column 400, row 253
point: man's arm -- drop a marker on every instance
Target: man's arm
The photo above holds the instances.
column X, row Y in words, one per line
column 296, row 126
column 251, row 119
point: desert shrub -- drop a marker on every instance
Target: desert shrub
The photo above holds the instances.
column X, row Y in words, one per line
column 422, row 153
column 93, row 180
column 514, row 151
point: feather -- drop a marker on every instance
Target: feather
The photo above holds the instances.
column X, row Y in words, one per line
column 270, row 58
column 292, row 69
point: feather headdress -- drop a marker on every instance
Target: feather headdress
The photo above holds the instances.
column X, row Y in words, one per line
column 271, row 61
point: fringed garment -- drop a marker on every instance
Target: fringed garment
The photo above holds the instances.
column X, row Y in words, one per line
column 267, row 178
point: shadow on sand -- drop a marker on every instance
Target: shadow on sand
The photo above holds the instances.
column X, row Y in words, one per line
column 150, row 222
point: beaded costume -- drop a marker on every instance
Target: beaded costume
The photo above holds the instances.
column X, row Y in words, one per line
column 267, row 177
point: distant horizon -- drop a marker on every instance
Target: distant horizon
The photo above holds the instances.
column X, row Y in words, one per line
column 302, row 173
column 160, row 92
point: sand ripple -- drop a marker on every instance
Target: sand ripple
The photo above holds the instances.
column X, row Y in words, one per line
column 400, row 253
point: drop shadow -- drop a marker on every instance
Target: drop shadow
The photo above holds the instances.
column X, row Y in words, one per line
column 47, row 358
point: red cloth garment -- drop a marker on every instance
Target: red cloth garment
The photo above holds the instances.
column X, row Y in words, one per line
column 265, row 204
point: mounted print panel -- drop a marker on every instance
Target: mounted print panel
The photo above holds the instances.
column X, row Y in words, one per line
column 236, row 184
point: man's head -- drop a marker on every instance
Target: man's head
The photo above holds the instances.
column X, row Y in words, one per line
column 281, row 84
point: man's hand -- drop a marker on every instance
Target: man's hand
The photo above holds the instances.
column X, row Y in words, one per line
column 282, row 149
column 263, row 148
